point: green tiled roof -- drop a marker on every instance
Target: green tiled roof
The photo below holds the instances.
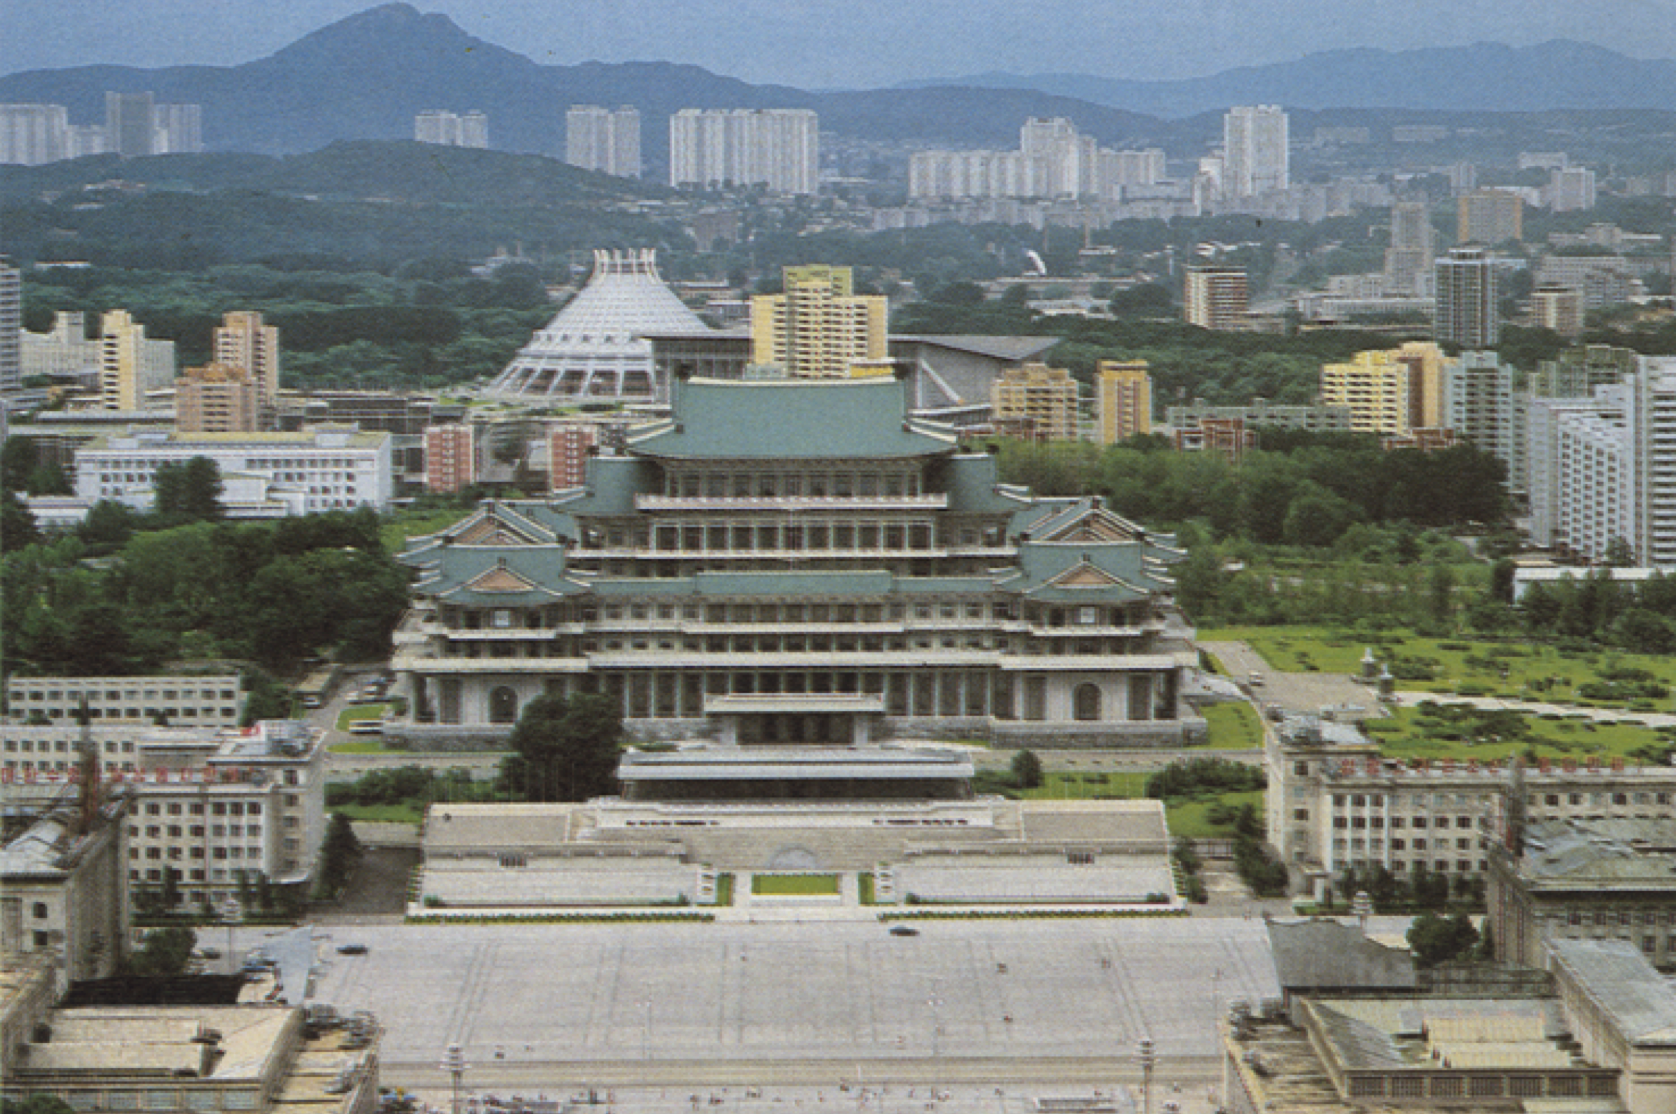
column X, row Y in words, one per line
column 792, row 419
column 1135, row 576
column 613, row 482
column 451, row 576
column 974, row 487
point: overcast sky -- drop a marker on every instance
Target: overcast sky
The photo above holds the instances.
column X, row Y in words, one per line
column 847, row 43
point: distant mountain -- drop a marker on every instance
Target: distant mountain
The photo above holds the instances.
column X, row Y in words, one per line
column 1485, row 77
column 367, row 76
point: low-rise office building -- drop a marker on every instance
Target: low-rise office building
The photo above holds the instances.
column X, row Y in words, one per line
column 322, row 469
column 1572, row 879
column 211, row 700
column 62, row 896
column 1333, row 803
column 210, row 811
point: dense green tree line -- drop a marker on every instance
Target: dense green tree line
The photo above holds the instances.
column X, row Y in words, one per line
column 271, row 592
column 1639, row 617
column 1309, row 496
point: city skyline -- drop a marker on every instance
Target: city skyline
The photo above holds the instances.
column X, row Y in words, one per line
column 868, row 43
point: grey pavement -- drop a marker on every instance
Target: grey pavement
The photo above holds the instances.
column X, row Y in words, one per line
column 524, row 1000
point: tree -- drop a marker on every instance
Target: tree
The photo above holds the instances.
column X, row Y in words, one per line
column 38, row 1103
column 188, row 492
column 339, row 852
column 1619, row 554
column 1027, row 770
column 1435, row 939
column 565, row 749
column 17, row 525
column 18, row 458
column 108, row 525
column 164, row 952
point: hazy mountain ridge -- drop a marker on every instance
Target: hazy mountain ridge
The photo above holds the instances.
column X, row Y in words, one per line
column 1491, row 77
column 366, row 76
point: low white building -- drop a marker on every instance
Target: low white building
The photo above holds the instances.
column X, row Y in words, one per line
column 321, row 469
column 213, row 700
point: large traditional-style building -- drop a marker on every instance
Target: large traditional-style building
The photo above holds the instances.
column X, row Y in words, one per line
column 800, row 562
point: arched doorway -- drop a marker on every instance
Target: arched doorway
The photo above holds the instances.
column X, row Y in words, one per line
column 1086, row 702
column 503, row 705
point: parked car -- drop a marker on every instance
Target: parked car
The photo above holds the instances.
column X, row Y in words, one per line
column 903, row 930
column 352, row 949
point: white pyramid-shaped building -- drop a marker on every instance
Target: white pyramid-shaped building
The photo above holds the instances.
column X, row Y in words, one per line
column 595, row 348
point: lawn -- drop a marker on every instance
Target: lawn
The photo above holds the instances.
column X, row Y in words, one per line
column 398, row 528
column 384, row 814
column 1191, row 818
column 1419, row 733
column 355, row 713
column 798, row 885
column 1468, row 666
column 364, row 744
column 1082, row 787
column 1234, row 726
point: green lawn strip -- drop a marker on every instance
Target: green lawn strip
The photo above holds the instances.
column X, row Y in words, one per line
column 363, row 744
column 1533, row 671
column 783, row 885
column 724, row 889
column 1415, row 733
column 864, row 888
column 355, row 713
column 1190, row 819
column 1234, row 726
column 389, row 814
column 1062, row 785
column 415, row 524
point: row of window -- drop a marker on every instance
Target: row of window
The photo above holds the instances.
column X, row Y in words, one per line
column 770, row 614
column 771, row 485
column 63, row 746
column 175, row 854
column 196, row 831
column 137, row 713
column 21, row 690
column 196, row 808
column 1360, row 823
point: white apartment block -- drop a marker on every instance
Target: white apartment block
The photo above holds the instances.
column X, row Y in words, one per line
column 65, row 351
column 1604, row 467
column 33, row 134
column 325, row 468
column 193, row 701
column 603, row 139
column 1333, row 803
column 1256, row 156
column 778, row 148
column 1480, row 405
column 1052, row 160
column 452, row 129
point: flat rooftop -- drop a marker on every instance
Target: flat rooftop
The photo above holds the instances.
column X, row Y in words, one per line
column 800, row 763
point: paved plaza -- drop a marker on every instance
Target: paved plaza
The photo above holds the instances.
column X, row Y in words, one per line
column 547, row 1005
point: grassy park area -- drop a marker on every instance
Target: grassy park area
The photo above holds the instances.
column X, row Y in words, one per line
column 1234, row 726
column 1516, row 670
column 1456, row 732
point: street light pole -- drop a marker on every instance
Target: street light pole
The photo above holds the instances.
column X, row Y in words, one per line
column 1148, row 1059
column 454, row 1063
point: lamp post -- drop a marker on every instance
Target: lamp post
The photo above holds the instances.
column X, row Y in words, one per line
column 454, row 1063
column 936, row 1004
column 231, row 914
column 1149, row 1058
